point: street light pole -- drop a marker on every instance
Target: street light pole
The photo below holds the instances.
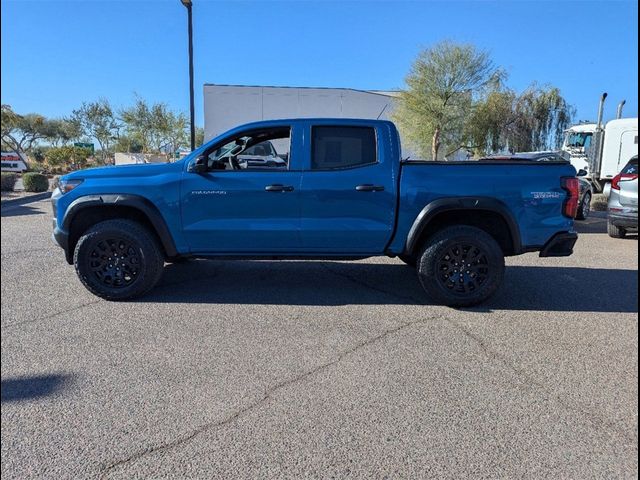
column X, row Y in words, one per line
column 188, row 4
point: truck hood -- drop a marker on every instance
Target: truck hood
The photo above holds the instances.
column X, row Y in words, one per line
column 132, row 170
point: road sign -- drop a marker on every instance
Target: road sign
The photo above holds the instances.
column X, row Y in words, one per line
column 85, row 145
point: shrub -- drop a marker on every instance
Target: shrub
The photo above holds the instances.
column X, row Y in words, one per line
column 37, row 167
column 35, row 182
column 8, row 181
column 599, row 203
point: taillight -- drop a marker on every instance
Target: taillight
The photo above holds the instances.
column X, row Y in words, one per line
column 622, row 177
column 570, row 205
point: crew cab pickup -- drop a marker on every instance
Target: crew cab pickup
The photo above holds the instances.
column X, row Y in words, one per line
column 331, row 189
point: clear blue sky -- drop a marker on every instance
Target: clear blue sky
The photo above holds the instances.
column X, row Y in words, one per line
column 56, row 54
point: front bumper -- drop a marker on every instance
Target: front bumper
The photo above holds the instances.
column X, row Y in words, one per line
column 60, row 236
column 560, row 245
column 62, row 239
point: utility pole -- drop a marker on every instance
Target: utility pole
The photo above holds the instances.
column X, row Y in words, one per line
column 189, row 5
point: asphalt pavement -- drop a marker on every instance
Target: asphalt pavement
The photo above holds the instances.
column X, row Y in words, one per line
column 298, row 369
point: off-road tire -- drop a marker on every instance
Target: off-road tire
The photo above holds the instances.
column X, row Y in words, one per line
column 479, row 279
column 118, row 259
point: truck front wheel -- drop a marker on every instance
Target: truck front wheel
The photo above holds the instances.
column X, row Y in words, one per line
column 118, row 259
column 461, row 266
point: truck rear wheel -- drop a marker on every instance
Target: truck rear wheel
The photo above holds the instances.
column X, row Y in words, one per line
column 461, row 266
column 118, row 259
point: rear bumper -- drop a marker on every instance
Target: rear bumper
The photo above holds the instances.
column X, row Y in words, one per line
column 628, row 219
column 560, row 245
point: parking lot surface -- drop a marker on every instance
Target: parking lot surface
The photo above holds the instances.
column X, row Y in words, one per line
column 259, row 369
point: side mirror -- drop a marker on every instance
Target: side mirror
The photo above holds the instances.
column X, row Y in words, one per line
column 581, row 173
column 199, row 165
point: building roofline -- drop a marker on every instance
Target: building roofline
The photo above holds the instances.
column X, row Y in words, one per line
column 371, row 92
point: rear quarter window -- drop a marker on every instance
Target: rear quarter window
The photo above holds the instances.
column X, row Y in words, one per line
column 631, row 168
column 342, row 147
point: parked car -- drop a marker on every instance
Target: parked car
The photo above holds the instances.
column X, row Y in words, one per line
column 622, row 211
column 586, row 194
column 345, row 194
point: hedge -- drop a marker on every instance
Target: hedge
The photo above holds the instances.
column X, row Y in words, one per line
column 35, row 182
column 8, row 181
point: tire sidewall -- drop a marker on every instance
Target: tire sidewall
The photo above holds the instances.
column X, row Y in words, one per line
column 439, row 244
column 585, row 207
column 110, row 230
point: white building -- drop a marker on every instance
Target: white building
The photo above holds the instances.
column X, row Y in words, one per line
column 227, row 106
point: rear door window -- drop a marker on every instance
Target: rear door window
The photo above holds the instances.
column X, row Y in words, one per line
column 342, row 147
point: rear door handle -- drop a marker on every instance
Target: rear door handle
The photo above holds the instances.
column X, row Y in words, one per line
column 278, row 188
column 368, row 187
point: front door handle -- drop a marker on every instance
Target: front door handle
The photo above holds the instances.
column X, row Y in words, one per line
column 278, row 188
column 368, row 187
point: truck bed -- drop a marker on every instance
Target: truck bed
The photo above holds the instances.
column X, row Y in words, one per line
column 528, row 193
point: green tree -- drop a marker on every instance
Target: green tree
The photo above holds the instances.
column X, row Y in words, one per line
column 138, row 124
column 67, row 157
column 541, row 116
column 199, row 136
column 127, row 144
column 22, row 132
column 153, row 126
column 490, row 122
column 62, row 131
column 96, row 120
column 533, row 120
column 441, row 87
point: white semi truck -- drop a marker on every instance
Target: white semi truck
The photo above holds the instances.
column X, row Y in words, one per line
column 600, row 150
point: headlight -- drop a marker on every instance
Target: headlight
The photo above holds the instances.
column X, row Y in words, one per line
column 68, row 185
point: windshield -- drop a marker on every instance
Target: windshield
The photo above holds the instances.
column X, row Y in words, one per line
column 579, row 139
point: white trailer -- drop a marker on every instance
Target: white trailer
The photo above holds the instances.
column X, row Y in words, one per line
column 227, row 106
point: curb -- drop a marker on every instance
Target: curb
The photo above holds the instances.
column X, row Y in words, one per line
column 25, row 200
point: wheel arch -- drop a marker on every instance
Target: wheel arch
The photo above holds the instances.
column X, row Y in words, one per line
column 488, row 214
column 88, row 210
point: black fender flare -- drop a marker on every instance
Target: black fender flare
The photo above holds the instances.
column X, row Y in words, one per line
column 448, row 204
column 138, row 202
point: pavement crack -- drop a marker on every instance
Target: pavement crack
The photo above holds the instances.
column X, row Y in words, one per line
column 527, row 380
column 260, row 401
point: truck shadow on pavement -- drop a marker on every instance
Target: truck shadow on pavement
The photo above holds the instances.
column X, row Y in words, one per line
column 32, row 387
column 328, row 283
column 17, row 210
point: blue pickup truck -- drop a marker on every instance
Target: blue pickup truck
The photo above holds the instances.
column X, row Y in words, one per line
column 321, row 189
